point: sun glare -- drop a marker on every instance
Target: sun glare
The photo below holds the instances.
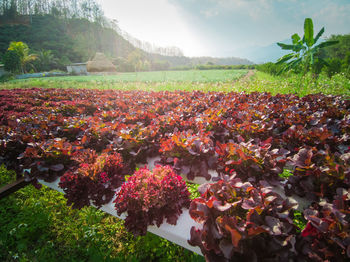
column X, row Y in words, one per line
column 157, row 22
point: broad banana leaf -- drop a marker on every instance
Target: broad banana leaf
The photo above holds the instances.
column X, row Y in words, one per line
column 319, row 34
column 285, row 58
column 285, row 46
column 309, row 32
column 294, row 63
column 328, row 43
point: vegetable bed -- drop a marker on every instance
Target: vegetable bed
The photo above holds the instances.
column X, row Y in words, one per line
column 94, row 141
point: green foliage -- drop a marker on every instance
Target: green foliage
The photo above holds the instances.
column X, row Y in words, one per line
column 223, row 67
column 22, row 51
column 299, row 220
column 6, row 176
column 37, row 225
column 6, row 77
column 159, row 65
column 338, row 56
column 235, row 82
column 122, row 65
column 270, row 68
column 286, row 173
column 46, row 61
column 194, row 76
column 298, row 84
column 339, row 50
column 334, row 66
column 193, row 189
column 12, row 61
column 70, row 40
column 304, row 50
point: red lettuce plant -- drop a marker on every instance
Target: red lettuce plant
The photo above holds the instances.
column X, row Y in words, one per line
column 252, row 161
column 150, row 197
column 190, row 154
column 47, row 160
column 137, row 142
column 11, row 146
column 94, row 181
column 318, row 173
column 327, row 233
column 242, row 223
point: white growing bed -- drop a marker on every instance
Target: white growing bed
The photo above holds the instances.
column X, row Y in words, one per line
column 180, row 233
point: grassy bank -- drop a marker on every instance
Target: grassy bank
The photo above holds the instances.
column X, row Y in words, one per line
column 296, row 84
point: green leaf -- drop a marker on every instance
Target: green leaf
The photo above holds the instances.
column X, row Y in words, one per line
column 323, row 62
column 328, row 43
column 295, row 38
column 319, row 34
column 284, row 58
column 309, row 32
column 285, row 46
column 298, row 47
column 294, row 63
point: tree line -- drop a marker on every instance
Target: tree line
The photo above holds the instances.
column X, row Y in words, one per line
column 12, row 10
column 88, row 9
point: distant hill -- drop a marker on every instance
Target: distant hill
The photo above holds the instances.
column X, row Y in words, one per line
column 78, row 39
column 177, row 61
column 74, row 39
column 73, row 31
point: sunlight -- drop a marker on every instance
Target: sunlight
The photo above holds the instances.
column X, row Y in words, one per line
column 157, row 22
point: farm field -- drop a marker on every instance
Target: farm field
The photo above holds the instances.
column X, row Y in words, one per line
column 54, row 132
column 201, row 76
column 258, row 82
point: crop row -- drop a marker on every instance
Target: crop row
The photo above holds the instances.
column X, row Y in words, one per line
column 92, row 139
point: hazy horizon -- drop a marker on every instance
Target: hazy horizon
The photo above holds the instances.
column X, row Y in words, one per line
column 224, row 28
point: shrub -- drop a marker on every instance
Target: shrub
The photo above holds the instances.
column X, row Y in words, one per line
column 150, row 197
column 12, row 61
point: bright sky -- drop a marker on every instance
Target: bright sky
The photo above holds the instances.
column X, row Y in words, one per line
column 224, row 27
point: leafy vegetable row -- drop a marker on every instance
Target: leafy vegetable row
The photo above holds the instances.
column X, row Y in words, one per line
column 92, row 139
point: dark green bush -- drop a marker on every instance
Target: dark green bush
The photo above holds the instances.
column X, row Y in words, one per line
column 12, row 61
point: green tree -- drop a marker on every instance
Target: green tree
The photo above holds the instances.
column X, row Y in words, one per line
column 304, row 50
column 136, row 58
column 46, row 60
column 12, row 61
column 339, row 50
column 23, row 52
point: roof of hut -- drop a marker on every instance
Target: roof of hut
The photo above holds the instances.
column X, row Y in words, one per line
column 100, row 63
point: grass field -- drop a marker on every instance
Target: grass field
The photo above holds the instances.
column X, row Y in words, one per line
column 204, row 80
column 201, row 76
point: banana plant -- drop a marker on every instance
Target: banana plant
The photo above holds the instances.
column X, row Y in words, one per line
column 303, row 49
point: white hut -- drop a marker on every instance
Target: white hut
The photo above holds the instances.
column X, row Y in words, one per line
column 77, row 69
